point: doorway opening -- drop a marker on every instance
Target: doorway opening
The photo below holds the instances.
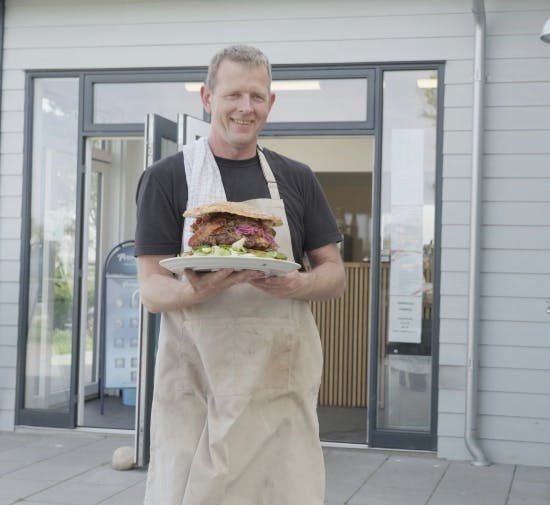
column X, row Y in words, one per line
column 113, row 168
column 344, row 167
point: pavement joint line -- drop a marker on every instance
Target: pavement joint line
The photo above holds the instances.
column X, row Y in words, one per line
column 382, row 463
column 47, row 458
column 510, row 485
column 56, row 483
column 436, row 487
column 107, row 498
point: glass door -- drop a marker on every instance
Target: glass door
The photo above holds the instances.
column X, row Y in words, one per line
column 403, row 395
column 46, row 389
column 160, row 140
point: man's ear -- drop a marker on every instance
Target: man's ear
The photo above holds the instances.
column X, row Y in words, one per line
column 205, row 97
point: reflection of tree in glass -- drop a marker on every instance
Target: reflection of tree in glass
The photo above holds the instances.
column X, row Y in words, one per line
column 430, row 100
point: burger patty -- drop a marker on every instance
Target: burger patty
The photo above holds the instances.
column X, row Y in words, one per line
column 225, row 229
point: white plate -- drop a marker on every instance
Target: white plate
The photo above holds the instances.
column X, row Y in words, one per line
column 210, row 263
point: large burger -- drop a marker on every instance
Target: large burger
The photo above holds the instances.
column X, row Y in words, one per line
column 233, row 228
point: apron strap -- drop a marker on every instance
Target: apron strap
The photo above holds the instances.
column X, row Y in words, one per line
column 268, row 174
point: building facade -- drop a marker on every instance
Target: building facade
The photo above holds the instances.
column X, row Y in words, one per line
column 386, row 119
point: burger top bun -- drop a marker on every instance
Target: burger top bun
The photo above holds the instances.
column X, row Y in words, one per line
column 238, row 208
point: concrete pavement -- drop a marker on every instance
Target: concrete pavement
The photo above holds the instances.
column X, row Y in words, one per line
column 70, row 467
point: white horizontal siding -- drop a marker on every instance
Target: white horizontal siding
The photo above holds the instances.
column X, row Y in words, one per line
column 515, row 241
column 512, row 405
column 532, row 333
column 516, row 166
column 517, row 213
column 515, row 285
column 363, row 26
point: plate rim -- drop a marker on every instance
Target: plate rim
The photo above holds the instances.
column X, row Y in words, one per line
column 270, row 262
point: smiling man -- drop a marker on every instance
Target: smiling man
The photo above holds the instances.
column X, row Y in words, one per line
column 239, row 360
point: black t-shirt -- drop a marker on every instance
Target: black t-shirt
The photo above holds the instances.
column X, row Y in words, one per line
column 162, row 199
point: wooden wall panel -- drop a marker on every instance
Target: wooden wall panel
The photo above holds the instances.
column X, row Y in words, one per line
column 344, row 328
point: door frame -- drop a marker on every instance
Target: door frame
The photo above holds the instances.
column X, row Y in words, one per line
column 376, row 438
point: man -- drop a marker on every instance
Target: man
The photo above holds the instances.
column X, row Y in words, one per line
column 239, row 360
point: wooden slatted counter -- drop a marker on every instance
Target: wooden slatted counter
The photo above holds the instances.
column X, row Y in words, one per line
column 344, row 328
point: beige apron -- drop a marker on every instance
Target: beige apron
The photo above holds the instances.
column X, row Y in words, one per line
column 234, row 411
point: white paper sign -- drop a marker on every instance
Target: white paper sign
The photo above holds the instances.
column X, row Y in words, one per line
column 405, row 323
column 407, row 200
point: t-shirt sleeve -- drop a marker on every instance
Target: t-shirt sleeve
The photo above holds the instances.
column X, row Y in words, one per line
column 161, row 193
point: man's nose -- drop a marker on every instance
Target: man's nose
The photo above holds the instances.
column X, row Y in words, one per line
column 245, row 103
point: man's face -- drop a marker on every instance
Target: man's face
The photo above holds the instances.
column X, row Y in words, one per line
column 239, row 106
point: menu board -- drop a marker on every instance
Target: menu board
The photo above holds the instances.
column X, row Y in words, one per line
column 121, row 318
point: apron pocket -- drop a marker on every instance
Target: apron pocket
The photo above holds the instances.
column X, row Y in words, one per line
column 244, row 355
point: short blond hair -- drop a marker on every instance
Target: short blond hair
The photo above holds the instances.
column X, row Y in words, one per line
column 246, row 55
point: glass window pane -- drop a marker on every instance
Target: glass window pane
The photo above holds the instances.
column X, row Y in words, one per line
column 130, row 102
column 52, row 244
column 407, row 244
column 319, row 100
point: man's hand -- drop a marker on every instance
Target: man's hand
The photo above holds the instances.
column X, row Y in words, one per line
column 208, row 285
column 325, row 280
column 161, row 291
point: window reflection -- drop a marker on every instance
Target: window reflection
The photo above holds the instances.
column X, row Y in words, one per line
column 52, row 244
column 319, row 100
column 407, row 249
column 129, row 103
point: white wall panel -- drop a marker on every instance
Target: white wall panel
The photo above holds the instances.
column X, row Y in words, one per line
column 515, row 285
column 457, row 190
column 458, row 95
column 525, row 69
column 515, row 333
column 518, row 142
column 456, row 213
column 517, row 213
column 455, row 235
column 452, row 377
column 529, row 381
column 515, row 309
column 518, row 94
column 11, row 229
column 454, row 260
column 452, row 354
column 10, row 186
column 457, row 142
column 518, row 166
column 515, row 237
column 12, row 122
column 457, row 165
column 515, row 261
column 9, row 293
column 453, row 331
column 455, row 283
column 458, row 119
column 514, row 190
column 454, row 307
column 11, row 164
column 514, row 118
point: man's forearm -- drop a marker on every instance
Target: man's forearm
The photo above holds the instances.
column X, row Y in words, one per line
column 324, row 282
column 161, row 293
